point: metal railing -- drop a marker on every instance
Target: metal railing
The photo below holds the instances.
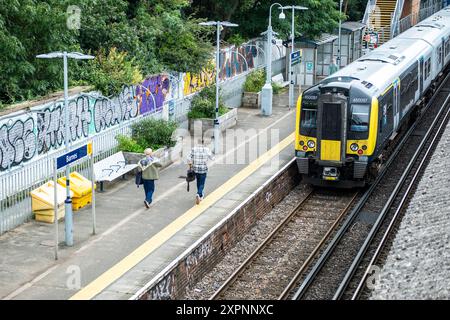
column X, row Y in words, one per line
column 15, row 187
column 369, row 8
column 411, row 20
column 16, row 183
column 396, row 17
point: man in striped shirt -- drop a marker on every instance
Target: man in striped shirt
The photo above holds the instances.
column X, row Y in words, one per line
column 198, row 160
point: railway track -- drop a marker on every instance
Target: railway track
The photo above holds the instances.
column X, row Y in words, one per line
column 267, row 273
column 342, row 269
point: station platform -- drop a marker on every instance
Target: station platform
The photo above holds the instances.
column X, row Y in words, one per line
column 418, row 264
column 133, row 243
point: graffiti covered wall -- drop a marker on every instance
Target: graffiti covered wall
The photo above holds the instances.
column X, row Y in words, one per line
column 28, row 135
column 231, row 64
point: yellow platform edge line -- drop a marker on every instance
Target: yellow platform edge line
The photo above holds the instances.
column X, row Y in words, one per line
column 123, row 266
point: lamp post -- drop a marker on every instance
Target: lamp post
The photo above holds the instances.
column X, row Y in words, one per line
column 68, row 219
column 267, row 91
column 291, row 70
column 219, row 25
column 339, row 39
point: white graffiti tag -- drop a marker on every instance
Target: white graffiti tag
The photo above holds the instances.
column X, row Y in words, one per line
column 17, row 143
column 106, row 114
column 80, row 117
column 50, row 125
column 128, row 103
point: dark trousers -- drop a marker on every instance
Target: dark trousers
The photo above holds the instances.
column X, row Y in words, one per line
column 201, row 178
column 149, row 188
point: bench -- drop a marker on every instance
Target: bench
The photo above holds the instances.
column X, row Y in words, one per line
column 279, row 80
column 111, row 168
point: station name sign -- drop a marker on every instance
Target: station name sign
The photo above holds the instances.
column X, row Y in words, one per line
column 296, row 57
column 74, row 155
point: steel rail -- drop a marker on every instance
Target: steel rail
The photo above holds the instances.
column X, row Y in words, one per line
column 357, row 261
column 328, row 251
column 231, row 279
column 313, row 254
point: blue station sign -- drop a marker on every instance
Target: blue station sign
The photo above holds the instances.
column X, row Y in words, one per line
column 296, row 57
column 74, row 155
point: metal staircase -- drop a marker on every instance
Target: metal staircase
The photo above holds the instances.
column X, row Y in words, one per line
column 382, row 17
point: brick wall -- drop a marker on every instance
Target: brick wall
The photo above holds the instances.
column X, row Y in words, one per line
column 200, row 258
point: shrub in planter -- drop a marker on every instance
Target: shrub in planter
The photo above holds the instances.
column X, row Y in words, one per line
column 154, row 133
column 256, row 81
column 127, row 144
column 148, row 133
column 203, row 105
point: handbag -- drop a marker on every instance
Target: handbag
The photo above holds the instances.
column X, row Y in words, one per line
column 138, row 179
column 190, row 176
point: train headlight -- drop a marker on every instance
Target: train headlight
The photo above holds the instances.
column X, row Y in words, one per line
column 302, row 143
column 311, row 144
column 354, row 147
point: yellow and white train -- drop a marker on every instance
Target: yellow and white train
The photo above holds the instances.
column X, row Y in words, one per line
column 345, row 123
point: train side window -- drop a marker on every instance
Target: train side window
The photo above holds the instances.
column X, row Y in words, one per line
column 447, row 47
column 359, row 117
column 427, row 68
column 383, row 118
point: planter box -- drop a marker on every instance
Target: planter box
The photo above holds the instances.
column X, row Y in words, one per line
column 226, row 121
column 167, row 156
column 251, row 100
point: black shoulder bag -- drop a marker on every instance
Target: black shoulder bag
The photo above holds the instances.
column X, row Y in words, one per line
column 190, row 176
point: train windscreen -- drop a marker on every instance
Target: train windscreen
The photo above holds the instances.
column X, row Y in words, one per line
column 331, row 121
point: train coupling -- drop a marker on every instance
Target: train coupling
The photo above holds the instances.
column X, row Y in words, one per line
column 330, row 173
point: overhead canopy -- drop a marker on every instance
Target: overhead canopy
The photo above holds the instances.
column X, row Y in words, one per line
column 323, row 39
column 352, row 26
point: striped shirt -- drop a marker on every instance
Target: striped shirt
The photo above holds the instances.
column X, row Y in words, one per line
column 199, row 157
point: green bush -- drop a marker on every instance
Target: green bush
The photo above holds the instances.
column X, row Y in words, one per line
column 127, row 144
column 110, row 72
column 148, row 133
column 203, row 105
column 255, row 81
column 276, row 88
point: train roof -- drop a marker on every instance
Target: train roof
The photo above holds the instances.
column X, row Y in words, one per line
column 381, row 66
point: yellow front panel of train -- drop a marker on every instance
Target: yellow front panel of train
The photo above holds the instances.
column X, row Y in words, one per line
column 330, row 150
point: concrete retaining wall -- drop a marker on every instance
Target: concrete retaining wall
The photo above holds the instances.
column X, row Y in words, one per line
column 203, row 255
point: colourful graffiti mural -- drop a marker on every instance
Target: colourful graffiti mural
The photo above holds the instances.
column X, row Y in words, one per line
column 232, row 63
column 196, row 82
column 159, row 87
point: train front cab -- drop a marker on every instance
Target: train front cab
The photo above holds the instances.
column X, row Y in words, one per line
column 335, row 139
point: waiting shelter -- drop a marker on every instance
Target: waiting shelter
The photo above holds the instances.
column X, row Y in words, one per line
column 352, row 34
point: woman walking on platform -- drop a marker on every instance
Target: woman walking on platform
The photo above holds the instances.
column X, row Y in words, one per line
column 150, row 172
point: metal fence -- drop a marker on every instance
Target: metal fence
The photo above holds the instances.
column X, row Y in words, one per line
column 411, row 20
column 16, row 184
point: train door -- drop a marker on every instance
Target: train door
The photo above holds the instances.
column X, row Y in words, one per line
column 442, row 54
column 396, row 103
column 332, row 127
column 421, row 73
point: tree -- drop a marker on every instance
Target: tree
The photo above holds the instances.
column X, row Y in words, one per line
column 252, row 16
column 149, row 36
column 28, row 28
column 355, row 9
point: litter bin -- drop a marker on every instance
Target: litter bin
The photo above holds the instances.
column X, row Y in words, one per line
column 81, row 188
column 43, row 202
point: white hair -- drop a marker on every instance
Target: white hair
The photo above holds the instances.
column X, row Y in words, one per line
column 148, row 151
